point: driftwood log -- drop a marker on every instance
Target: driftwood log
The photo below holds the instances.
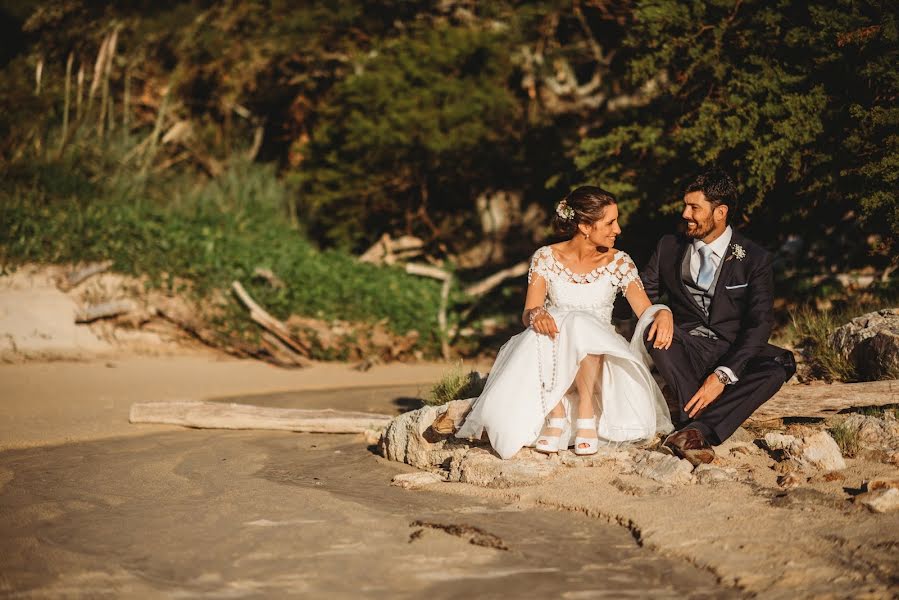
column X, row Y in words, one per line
column 821, row 400
column 282, row 353
column 218, row 415
column 447, row 278
column 104, row 310
column 262, row 318
column 488, row 283
column 73, row 278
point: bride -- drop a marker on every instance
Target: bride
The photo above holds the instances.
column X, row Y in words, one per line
column 570, row 371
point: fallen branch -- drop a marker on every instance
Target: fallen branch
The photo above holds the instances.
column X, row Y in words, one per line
column 203, row 334
column 388, row 250
column 104, row 310
column 821, row 401
column 447, row 278
column 282, row 352
column 489, row 283
column 217, row 415
column 262, row 318
column 82, row 274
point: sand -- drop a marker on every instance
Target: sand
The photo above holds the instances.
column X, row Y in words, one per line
column 56, row 402
column 91, row 506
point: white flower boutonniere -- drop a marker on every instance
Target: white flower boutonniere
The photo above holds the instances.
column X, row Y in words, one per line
column 739, row 251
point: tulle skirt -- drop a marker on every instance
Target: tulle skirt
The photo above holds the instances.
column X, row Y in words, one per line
column 530, row 376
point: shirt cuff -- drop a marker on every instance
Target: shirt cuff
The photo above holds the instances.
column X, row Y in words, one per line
column 732, row 379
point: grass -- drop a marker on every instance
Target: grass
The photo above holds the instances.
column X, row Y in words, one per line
column 456, row 384
column 880, row 412
column 206, row 232
column 847, row 438
column 811, row 328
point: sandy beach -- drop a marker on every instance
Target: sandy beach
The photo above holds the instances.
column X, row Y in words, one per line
column 93, row 506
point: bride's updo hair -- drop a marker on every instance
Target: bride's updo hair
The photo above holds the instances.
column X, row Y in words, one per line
column 586, row 204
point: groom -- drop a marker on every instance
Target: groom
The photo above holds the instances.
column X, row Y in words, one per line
column 719, row 286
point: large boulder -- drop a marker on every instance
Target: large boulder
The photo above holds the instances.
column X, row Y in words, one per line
column 871, row 343
column 410, row 439
column 876, row 437
column 815, row 450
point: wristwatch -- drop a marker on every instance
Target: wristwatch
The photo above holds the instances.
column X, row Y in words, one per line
column 722, row 377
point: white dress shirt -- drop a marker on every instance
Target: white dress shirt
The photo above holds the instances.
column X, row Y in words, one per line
column 719, row 249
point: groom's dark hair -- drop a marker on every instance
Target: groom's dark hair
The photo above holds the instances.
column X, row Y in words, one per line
column 718, row 188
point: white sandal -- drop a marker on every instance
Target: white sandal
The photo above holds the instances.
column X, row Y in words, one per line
column 592, row 444
column 550, row 444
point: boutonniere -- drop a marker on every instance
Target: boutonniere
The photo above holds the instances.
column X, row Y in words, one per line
column 738, row 251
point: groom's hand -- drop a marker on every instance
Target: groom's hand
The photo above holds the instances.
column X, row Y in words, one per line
column 707, row 393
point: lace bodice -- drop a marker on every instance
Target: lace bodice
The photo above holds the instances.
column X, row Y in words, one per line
column 594, row 291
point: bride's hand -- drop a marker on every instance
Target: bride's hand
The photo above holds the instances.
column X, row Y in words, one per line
column 543, row 323
column 662, row 330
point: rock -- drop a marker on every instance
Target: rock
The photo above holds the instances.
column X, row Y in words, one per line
column 404, row 440
column 880, row 501
column 790, row 480
column 414, row 481
column 479, row 467
column 450, row 421
column 741, row 436
column 743, row 449
column 707, row 474
column 816, row 450
column 877, row 434
column 871, row 343
column 828, row 477
column 662, row 468
column 882, row 484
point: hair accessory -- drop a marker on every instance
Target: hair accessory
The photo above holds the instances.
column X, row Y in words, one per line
column 564, row 211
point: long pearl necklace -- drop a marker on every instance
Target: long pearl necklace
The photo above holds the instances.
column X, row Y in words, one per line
column 543, row 388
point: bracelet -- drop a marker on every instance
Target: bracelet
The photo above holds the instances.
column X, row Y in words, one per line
column 532, row 316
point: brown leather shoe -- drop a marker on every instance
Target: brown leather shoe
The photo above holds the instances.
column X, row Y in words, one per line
column 690, row 444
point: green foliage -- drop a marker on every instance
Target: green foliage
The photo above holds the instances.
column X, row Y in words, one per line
column 207, row 235
column 797, row 99
column 425, row 117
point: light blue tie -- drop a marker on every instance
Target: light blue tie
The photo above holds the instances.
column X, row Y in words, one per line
column 706, row 267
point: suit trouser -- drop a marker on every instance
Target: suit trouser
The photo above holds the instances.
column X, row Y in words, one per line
column 685, row 366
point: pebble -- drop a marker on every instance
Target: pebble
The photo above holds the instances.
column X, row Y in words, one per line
column 413, row 481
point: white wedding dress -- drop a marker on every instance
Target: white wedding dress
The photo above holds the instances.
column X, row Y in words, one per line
column 532, row 372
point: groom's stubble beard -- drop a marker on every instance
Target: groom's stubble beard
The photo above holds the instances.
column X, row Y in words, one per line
column 697, row 230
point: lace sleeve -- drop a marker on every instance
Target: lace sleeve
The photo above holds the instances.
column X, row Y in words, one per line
column 539, row 265
column 625, row 273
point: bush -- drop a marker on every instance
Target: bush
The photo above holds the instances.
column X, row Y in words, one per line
column 208, row 235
